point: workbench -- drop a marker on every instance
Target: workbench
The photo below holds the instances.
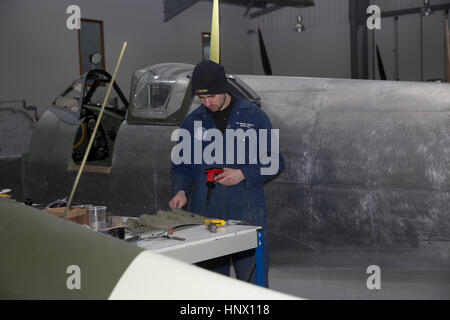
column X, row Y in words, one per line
column 201, row 244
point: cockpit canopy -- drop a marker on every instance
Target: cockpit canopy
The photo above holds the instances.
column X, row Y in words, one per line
column 159, row 92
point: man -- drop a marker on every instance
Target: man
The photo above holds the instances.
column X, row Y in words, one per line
column 239, row 194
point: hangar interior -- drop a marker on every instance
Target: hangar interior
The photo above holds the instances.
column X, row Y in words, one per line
column 403, row 66
column 323, row 51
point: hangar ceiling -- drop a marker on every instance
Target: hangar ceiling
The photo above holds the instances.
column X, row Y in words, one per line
column 175, row 7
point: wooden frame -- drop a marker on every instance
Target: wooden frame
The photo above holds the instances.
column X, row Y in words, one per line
column 102, row 44
column 88, row 168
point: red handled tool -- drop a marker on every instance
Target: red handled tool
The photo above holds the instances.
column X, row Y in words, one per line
column 210, row 182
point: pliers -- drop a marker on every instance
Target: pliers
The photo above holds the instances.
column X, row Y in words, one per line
column 168, row 234
column 164, row 234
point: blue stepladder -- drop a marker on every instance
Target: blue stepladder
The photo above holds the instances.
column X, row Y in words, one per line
column 260, row 272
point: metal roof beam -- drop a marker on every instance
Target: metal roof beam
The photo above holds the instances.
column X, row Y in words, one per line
column 397, row 13
column 175, row 7
column 248, row 8
column 306, row 3
column 265, row 11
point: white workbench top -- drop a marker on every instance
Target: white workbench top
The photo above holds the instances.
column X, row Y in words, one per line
column 201, row 244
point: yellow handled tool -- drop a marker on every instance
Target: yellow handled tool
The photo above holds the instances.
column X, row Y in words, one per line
column 212, row 224
column 217, row 222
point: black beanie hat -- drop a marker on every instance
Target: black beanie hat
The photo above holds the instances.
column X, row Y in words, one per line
column 209, row 77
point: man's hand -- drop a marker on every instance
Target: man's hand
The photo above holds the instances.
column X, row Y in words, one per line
column 230, row 177
column 179, row 201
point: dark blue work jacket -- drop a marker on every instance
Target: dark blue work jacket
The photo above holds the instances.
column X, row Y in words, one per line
column 244, row 201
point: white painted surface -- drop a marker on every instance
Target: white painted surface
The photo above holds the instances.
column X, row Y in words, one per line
column 154, row 276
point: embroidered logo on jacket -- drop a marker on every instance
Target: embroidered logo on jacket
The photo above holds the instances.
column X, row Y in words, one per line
column 245, row 125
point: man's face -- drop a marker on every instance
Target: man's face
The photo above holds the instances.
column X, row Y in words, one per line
column 213, row 102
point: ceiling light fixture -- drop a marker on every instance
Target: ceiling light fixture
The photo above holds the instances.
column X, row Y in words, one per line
column 299, row 27
column 426, row 9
